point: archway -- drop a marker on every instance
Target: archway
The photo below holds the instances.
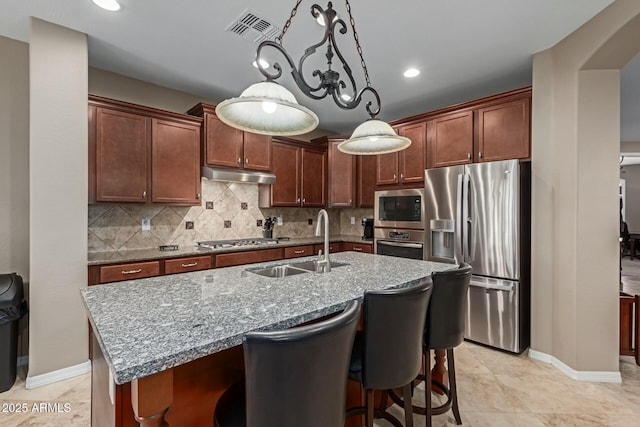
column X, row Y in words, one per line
column 575, row 148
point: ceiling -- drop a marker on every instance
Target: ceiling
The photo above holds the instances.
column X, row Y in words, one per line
column 464, row 49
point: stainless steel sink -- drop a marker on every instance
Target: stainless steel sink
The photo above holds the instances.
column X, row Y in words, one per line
column 314, row 265
column 277, row 271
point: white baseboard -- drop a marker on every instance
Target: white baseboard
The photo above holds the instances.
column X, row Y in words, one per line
column 23, row 360
column 589, row 376
column 59, row 375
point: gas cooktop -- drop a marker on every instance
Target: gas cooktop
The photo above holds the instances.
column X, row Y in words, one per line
column 216, row 244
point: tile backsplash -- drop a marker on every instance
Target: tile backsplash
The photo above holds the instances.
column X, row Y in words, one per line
column 229, row 211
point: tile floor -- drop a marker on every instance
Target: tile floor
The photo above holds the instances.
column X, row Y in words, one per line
column 495, row 389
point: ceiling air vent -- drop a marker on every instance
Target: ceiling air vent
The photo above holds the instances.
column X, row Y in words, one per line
column 253, row 28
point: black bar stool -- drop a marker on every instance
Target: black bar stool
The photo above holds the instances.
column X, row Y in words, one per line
column 295, row 377
column 444, row 330
column 387, row 353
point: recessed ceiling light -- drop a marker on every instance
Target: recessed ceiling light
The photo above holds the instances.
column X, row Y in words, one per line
column 110, row 5
column 411, row 72
column 263, row 63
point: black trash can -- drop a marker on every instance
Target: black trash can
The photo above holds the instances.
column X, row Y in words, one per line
column 12, row 308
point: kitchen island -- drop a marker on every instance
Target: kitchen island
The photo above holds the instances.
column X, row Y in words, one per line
column 174, row 341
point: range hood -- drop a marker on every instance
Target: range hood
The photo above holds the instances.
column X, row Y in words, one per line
column 237, row 175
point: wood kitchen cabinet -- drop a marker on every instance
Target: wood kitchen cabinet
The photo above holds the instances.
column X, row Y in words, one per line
column 358, row 247
column 301, row 176
column 486, row 130
column 450, row 139
column 226, row 146
column 342, row 174
column 333, row 247
column 365, row 181
column 142, row 155
column 298, row 251
column 406, row 166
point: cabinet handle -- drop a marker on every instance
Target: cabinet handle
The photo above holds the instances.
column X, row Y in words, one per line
column 401, row 176
column 480, row 154
column 246, row 161
column 298, row 200
column 239, row 160
column 394, row 176
column 303, row 201
column 193, row 264
column 144, row 194
column 468, row 156
column 198, row 196
column 299, row 252
column 357, row 249
column 132, row 271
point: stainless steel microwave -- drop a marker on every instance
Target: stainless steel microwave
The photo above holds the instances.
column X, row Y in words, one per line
column 399, row 208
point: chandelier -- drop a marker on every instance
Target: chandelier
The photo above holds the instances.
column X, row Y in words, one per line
column 270, row 109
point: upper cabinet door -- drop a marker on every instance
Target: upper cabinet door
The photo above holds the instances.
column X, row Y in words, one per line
column 314, row 178
column 341, row 176
column 411, row 160
column 450, row 140
column 175, row 157
column 257, row 152
column 223, row 143
column 504, row 131
column 387, row 168
column 121, row 156
column 286, row 167
column 366, row 181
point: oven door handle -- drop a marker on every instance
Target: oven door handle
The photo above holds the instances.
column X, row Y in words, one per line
column 401, row 244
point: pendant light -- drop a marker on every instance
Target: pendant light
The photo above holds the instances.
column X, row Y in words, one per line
column 268, row 108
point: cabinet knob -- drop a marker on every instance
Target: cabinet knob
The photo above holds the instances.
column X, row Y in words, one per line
column 480, row 154
column 144, row 194
column 394, row 176
column 401, row 176
column 298, row 200
column 350, row 201
column 198, row 196
column 246, row 161
column 303, row 200
column 468, row 156
column 239, row 160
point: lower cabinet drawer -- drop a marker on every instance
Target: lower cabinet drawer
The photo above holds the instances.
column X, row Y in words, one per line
column 183, row 265
column 333, row 247
column 138, row 270
column 247, row 257
column 298, row 251
column 357, row 247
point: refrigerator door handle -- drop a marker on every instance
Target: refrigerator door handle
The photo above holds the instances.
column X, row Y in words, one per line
column 458, row 251
column 493, row 287
column 466, row 219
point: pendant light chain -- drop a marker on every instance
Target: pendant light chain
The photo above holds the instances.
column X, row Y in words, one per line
column 355, row 36
column 288, row 23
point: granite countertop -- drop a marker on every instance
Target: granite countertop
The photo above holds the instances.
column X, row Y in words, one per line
column 149, row 325
column 111, row 257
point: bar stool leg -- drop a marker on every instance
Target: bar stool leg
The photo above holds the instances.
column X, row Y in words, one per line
column 408, row 409
column 427, row 390
column 369, row 405
column 453, row 386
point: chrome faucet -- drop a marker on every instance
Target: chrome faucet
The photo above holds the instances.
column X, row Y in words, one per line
column 323, row 262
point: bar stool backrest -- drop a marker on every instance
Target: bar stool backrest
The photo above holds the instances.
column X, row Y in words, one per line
column 393, row 326
column 445, row 318
column 298, row 377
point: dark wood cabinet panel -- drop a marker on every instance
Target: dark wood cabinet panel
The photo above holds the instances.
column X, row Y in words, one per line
column 139, row 270
column 387, row 169
column 286, row 167
column 257, row 152
column 298, row 251
column 333, row 247
column 175, row 171
column 313, row 178
column 248, row 257
column 357, row 247
column 223, row 143
column 450, row 140
column 366, row 181
column 342, row 168
column 411, row 160
column 504, row 131
column 183, row 265
column 121, row 161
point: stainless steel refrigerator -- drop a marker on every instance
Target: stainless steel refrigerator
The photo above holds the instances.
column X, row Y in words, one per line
column 481, row 214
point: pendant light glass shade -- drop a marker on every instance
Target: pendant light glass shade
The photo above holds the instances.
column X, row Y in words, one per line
column 269, row 109
column 374, row 137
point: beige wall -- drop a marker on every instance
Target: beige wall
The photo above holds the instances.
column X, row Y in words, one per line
column 14, row 164
column 575, row 148
column 58, row 197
